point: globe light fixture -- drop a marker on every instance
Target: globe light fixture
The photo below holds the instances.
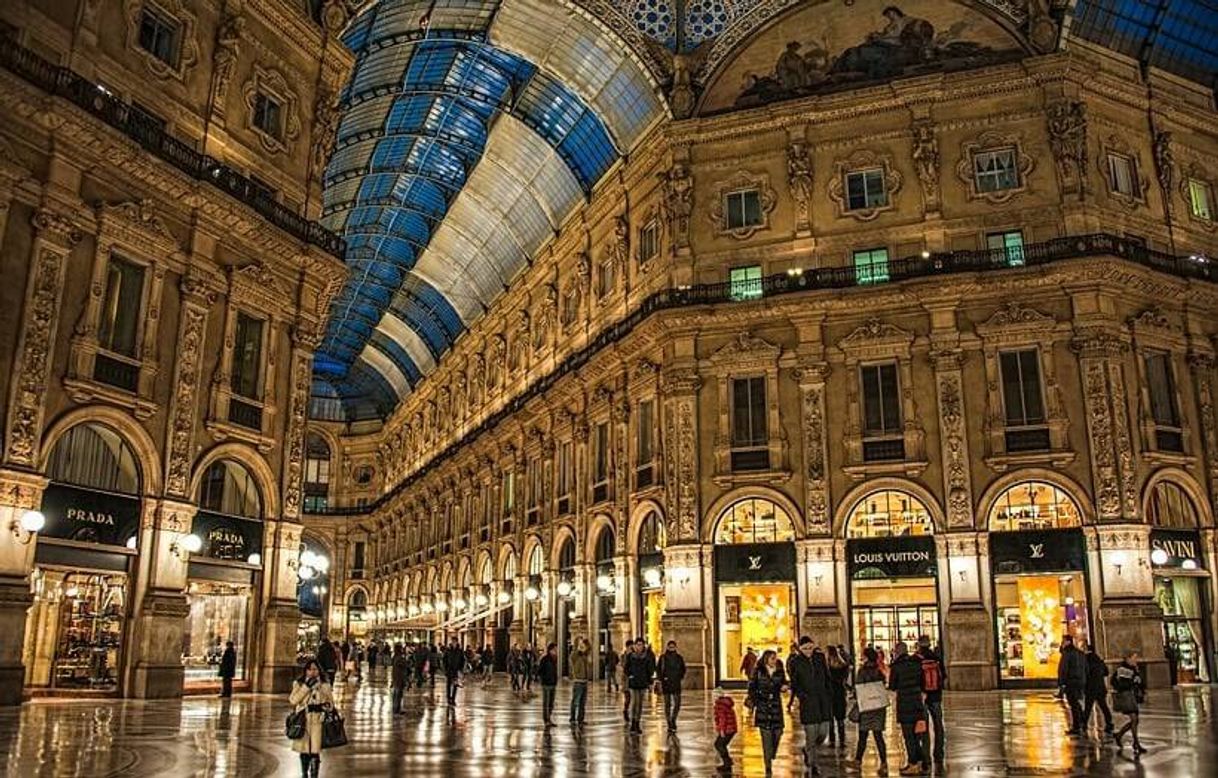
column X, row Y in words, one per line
column 306, row 573
column 603, row 582
column 652, row 576
column 531, row 594
column 460, row 603
column 564, row 588
column 1189, row 564
column 132, row 542
column 192, row 543
column 256, row 559
column 441, row 606
column 33, row 521
column 1158, row 556
column 481, row 600
column 504, row 597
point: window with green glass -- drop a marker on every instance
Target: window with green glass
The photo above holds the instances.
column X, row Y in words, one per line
column 1010, row 242
column 871, row 266
column 746, row 282
column 1199, row 196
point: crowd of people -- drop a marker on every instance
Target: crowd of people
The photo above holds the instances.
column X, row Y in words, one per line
column 822, row 688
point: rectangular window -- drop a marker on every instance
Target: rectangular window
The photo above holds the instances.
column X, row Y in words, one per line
column 564, row 468
column 120, row 315
column 750, row 429
column 871, row 266
column 1162, row 387
column 268, row 114
column 1199, row 197
column 1121, row 174
column 995, row 170
column 357, row 560
column 600, row 464
column 1010, row 243
column 743, row 209
column 1023, row 401
column 507, row 488
column 159, row 34
column 645, row 430
column 536, row 493
column 606, row 278
column 247, row 357
column 865, row 189
column 883, row 438
column 649, row 240
column 745, row 282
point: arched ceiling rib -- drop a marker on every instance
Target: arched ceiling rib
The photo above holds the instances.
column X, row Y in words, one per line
column 470, row 130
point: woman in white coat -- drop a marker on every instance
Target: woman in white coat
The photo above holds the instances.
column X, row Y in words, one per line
column 311, row 693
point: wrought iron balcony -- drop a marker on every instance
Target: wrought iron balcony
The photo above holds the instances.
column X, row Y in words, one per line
column 89, row 97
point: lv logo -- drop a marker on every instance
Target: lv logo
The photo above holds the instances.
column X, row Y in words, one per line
column 754, row 563
column 1038, row 550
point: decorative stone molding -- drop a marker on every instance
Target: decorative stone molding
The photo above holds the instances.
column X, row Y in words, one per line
column 298, row 406
column 799, row 182
column 742, row 181
column 864, row 159
column 993, row 140
column 1107, row 423
column 815, row 448
column 1068, row 142
column 228, row 48
column 188, row 52
column 1114, row 144
column 1165, row 169
column 197, row 298
column 326, row 115
column 954, row 444
column 274, row 84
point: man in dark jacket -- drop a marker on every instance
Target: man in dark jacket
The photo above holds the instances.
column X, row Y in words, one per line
column 399, row 676
column 547, row 676
column 454, row 663
column 670, row 670
column 1097, row 689
column 934, row 675
column 905, row 678
column 640, row 667
column 809, row 675
column 228, row 669
column 1072, row 676
column 327, row 658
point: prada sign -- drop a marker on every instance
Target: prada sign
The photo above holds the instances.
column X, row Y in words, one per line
column 888, row 558
column 1179, row 546
column 755, row 562
column 227, row 537
column 87, row 516
column 1038, row 551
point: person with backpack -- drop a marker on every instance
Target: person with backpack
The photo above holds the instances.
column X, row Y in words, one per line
column 1097, row 690
column 905, row 678
column 1127, row 698
column 725, row 727
column 809, row 676
column 934, row 677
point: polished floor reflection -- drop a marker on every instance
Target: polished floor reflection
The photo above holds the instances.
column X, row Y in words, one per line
column 494, row 733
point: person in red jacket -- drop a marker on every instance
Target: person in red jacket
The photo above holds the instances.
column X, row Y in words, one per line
column 725, row 726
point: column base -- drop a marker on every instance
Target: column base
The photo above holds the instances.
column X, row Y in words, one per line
column 970, row 660
column 690, row 630
column 826, row 626
column 278, row 667
column 15, row 601
column 1136, row 625
column 160, row 626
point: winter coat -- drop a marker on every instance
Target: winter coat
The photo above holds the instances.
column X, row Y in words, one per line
column 765, row 693
column 228, row 663
column 581, row 666
column 400, row 669
column 810, row 683
column 454, row 661
column 639, row 669
column 1126, row 678
column 872, row 720
column 1097, row 675
column 725, row 716
column 327, row 657
column 839, row 679
column 303, row 696
column 547, row 670
column 1072, row 669
column 905, row 678
column 671, row 671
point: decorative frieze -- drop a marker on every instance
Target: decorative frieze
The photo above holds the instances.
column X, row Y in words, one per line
column 197, row 299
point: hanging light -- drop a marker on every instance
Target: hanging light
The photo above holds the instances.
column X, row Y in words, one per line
column 307, row 557
column 305, row 572
column 321, row 563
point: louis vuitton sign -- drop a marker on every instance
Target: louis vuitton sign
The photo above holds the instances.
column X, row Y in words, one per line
column 900, row 557
column 1038, row 551
column 755, row 562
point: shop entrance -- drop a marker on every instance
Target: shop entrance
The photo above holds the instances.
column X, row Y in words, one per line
column 219, row 613
column 85, row 622
column 886, row 611
column 1178, row 560
column 756, row 604
column 651, row 578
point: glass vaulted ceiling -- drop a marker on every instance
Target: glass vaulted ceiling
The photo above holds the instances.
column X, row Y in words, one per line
column 470, row 130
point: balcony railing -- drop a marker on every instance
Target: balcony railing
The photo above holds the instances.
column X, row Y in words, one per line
column 91, row 98
column 924, row 266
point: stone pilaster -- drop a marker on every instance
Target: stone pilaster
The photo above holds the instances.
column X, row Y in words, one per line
column 947, row 358
column 197, row 298
column 154, row 661
column 19, row 492
column 280, row 614
column 968, row 625
column 816, row 574
column 685, row 618
column 681, row 454
column 1101, row 352
column 1128, row 616
column 817, row 516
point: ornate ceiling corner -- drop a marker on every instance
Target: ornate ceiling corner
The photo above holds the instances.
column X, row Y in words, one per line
column 993, row 140
column 188, row 51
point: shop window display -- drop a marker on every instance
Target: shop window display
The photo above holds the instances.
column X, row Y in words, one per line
column 754, row 615
column 1180, row 599
column 754, row 520
column 1033, row 505
column 1034, row 613
column 889, row 514
column 886, row 611
column 218, row 614
column 90, row 628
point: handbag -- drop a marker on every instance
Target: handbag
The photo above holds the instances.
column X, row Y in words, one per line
column 853, row 713
column 333, row 732
column 871, row 696
column 1125, row 701
column 295, row 723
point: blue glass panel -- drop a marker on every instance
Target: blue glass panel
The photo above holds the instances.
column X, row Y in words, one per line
column 400, row 358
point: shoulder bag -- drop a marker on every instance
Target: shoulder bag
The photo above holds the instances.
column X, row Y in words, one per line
column 295, row 723
column 333, row 732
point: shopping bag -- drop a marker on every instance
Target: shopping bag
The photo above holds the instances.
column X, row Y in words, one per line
column 871, row 696
column 295, row 723
column 333, row 732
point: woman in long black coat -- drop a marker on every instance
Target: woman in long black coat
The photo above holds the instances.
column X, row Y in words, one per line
column 765, row 697
column 839, row 679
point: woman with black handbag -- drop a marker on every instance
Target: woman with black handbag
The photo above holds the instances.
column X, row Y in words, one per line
column 1127, row 695
column 311, row 696
column 765, row 698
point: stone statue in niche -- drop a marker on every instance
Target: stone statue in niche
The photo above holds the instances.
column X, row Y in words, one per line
column 799, row 178
column 678, row 203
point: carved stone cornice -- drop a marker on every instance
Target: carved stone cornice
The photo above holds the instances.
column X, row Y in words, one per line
column 1099, row 342
column 57, row 227
column 677, row 380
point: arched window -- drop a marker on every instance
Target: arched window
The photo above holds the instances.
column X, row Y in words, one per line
column 358, row 599
column 485, row 576
column 317, row 473
column 1170, row 506
column 95, row 457
column 606, row 545
column 651, row 535
column 566, row 555
column 754, row 520
column 509, row 568
column 230, row 489
column 1033, row 505
column 537, row 563
column 887, row 514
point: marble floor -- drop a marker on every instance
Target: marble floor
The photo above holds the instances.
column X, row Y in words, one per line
column 494, row 733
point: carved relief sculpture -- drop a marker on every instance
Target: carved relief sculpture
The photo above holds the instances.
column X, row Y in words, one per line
column 799, row 180
column 1165, row 168
column 325, row 128
column 196, row 300
column 678, row 203
column 926, row 162
column 228, row 43
column 1068, row 142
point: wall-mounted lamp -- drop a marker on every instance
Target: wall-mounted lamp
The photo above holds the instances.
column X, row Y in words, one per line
column 460, row 603
column 427, row 607
column 504, row 597
column 962, row 574
column 413, row 610
column 1189, row 564
column 531, row 594
column 653, row 577
column 1158, row 556
column 191, row 544
column 564, row 588
column 132, row 542
column 256, row 559
column 441, row 606
column 30, row 524
column 481, row 600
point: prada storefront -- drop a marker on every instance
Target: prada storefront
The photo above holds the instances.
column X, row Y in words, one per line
column 892, row 568
column 1038, row 556
column 84, row 562
column 754, row 584
column 224, row 574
